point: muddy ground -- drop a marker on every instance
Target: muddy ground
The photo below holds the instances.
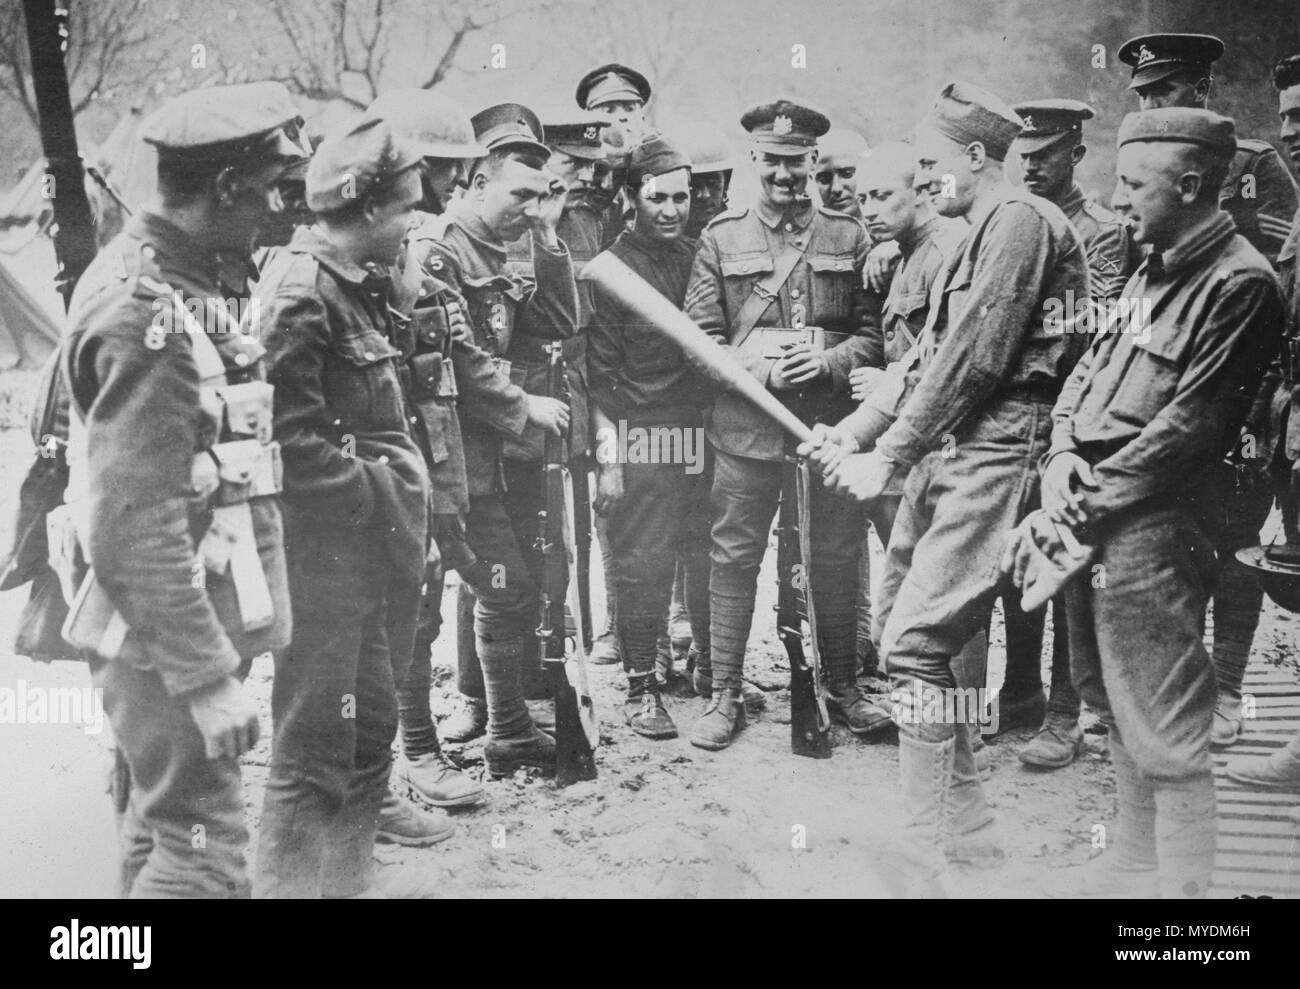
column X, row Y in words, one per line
column 664, row 819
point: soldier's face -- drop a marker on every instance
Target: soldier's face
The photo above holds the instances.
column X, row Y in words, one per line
column 508, row 201
column 251, row 201
column 837, row 181
column 1179, row 90
column 783, row 178
column 1049, row 172
column 663, row 204
column 708, row 197
column 943, row 173
column 1151, row 178
column 390, row 219
column 1288, row 109
column 628, row 116
column 576, row 173
column 439, row 177
column 888, row 203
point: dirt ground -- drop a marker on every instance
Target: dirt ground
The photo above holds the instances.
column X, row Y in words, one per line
column 664, row 819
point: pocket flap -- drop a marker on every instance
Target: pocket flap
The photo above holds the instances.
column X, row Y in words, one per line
column 364, row 349
column 843, row 263
column 754, row 264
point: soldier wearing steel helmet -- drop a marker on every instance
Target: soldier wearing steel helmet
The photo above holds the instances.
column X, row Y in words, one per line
column 148, row 427
column 713, row 160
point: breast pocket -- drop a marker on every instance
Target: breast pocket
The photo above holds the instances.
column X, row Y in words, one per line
column 831, row 284
column 361, row 383
column 1153, row 376
column 904, row 320
column 739, row 274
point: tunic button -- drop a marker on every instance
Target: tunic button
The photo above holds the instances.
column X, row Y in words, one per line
column 370, row 355
column 889, row 334
column 794, row 293
column 414, row 420
column 744, row 266
column 789, row 226
column 241, row 359
column 383, row 458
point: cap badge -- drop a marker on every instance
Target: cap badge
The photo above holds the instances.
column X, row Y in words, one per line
column 589, row 134
column 1029, row 123
column 1145, row 54
column 782, row 125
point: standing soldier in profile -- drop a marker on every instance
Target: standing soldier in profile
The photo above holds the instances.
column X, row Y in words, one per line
column 357, row 506
column 440, row 366
column 967, row 436
column 1050, row 148
column 510, row 194
column 168, row 404
column 1139, row 424
column 763, row 279
column 1175, row 70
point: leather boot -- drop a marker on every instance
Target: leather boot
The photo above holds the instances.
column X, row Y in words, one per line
column 1127, row 870
column 402, row 823
column 914, row 865
column 1279, row 771
column 436, row 782
column 644, row 709
column 848, row 706
column 1057, row 743
column 466, row 723
column 1186, row 834
column 722, row 719
column 528, row 747
column 970, row 835
column 1010, row 713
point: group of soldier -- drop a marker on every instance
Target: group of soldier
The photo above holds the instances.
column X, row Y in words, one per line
column 298, row 483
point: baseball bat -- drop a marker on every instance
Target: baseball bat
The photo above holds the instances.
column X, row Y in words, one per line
column 716, row 361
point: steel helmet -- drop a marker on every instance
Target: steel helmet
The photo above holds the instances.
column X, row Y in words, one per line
column 434, row 123
column 707, row 148
column 1278, row 570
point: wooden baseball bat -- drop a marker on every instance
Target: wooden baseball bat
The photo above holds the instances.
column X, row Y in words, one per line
column 708, row 355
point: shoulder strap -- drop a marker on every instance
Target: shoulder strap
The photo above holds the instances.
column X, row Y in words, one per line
column 206, row 355
column 764, row 294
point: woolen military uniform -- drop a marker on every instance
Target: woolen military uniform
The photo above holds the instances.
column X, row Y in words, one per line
column 140, row 393
column 357, row 507
column 737, row 256
column 1152, row 413
column 189, row 577
column 642, row 382
column 502, row 521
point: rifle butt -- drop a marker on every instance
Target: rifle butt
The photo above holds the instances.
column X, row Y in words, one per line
column 574, row 760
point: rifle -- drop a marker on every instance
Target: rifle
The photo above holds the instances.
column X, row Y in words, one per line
column 74, row 227
column 577, row 729
column 809, row 720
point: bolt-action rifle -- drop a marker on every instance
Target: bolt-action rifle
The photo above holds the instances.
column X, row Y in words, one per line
column 577, row 729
